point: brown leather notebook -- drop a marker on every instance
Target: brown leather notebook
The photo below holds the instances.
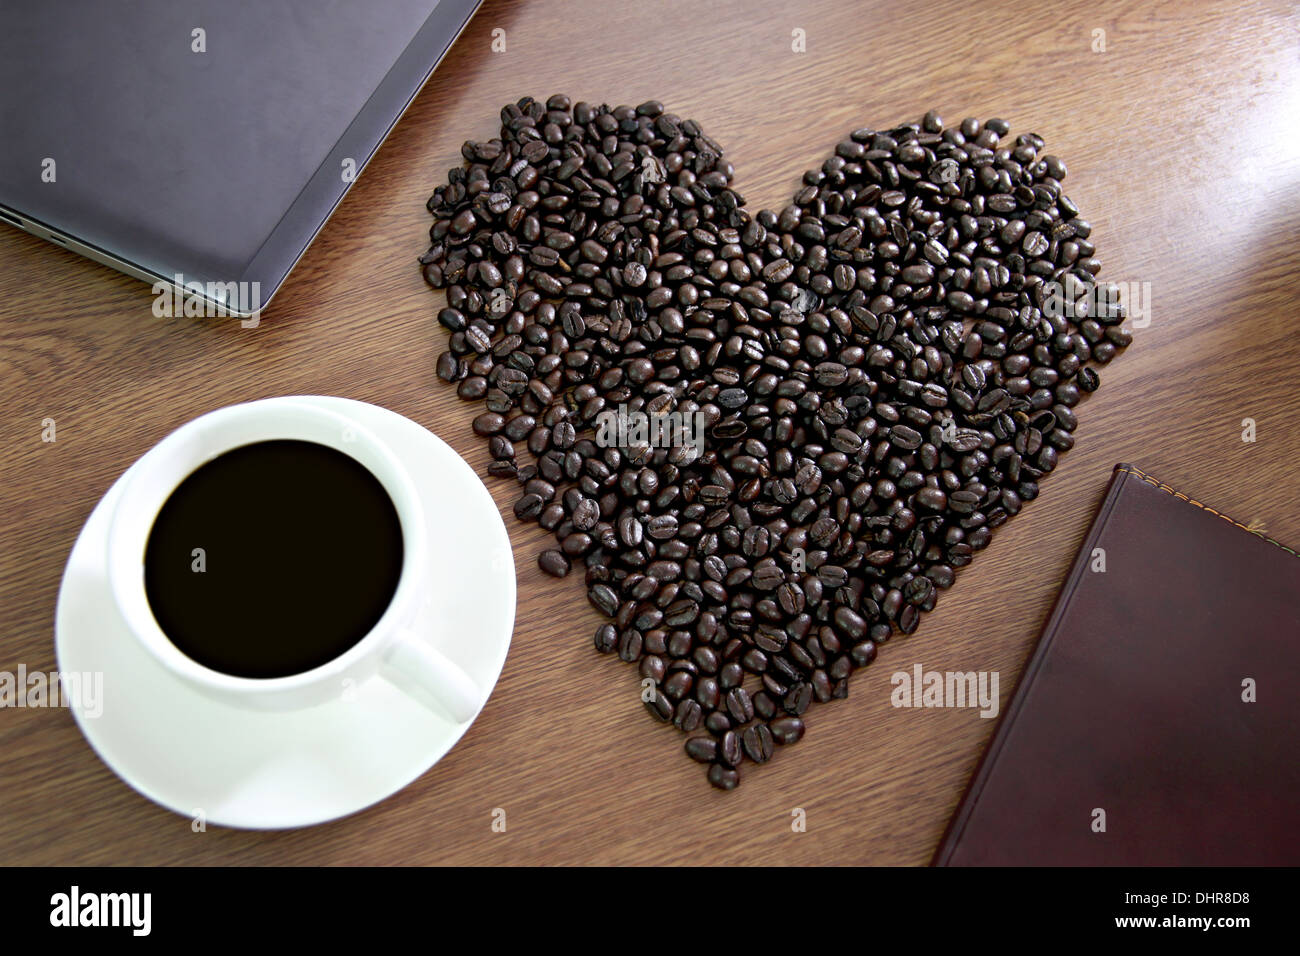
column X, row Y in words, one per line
column 1158, row 721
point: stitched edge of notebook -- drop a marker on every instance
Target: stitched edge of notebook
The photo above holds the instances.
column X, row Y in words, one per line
column 955, row 832
column 1138, row 473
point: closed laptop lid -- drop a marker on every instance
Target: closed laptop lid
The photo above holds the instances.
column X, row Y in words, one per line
column 210, row 139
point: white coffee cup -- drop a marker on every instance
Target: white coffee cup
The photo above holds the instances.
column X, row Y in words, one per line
column 398, row 648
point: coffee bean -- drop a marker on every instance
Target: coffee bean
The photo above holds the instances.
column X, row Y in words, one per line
column 722, row 777
column 778, row 271
column 850, row 623
column 651, row 665
column 758, row 743
column 769, row 639
column 630, row 531
column 963, row 501
column 554, row 563
column 448, row 367
column 932, row 498
column 754, row 661
column 702, row 749
column 630, row 645
column 798, row 699
column 478, row 339
column 730, row 676
column 767, row 576
column 787, row 730
column 905, row 437
column 864, row 653
column 660, row 707
column 707, row 693
column 739, row 706
column 604, row 599
column 528, row 507
column 452, row 319
column 830, row 374
column 606, row 638
column 688, row 716
column 662, row 527
column 586, row 514
column 729, row 749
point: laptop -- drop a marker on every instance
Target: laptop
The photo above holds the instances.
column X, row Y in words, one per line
column 201, row 146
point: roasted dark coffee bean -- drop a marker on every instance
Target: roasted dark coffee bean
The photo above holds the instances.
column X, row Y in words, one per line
column 478, row 339
column 678, row 685
column 688, row 716
column 554, row 563
column 730, row 675
column 500, row 447
column 452, row 319
column 702, row 749
column 529, row 506
column 739, row 705
column 758, row 743
column 877, row 376
column 707, row 694
column 604, row 599
column 586, row 514
column 798, row 699
column 630, row 531
column 904, row 437
column 651, row 666
column 963, row 502
column 722, row 777
column 449, row 369
column 864, row 653
column 832, row 575
column 933, row 499
column 767, row 576
column 787, row 730
column 769, row 639
column 606, row 638
column 850, row 623
column 821, row 686
column 630, row 645
column 473, row 387
column 729, row 749
column 661, row 708
column 706, row 659
column 718, row 722
column 662, row 527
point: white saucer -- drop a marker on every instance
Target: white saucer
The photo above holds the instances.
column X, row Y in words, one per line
column 263, row 770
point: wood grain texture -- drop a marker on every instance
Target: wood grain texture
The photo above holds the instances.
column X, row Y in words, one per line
column 1183, row 146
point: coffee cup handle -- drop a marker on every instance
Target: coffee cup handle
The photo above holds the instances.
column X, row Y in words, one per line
column 452, row 692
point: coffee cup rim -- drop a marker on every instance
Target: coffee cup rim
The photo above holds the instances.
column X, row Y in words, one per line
column 161, row 470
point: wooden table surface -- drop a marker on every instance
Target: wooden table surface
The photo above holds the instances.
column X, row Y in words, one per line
column 1180, row 124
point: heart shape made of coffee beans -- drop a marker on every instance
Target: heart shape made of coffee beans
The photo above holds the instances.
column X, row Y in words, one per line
column 771, row 440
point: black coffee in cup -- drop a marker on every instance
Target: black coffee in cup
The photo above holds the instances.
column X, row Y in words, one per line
column 273, row 558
